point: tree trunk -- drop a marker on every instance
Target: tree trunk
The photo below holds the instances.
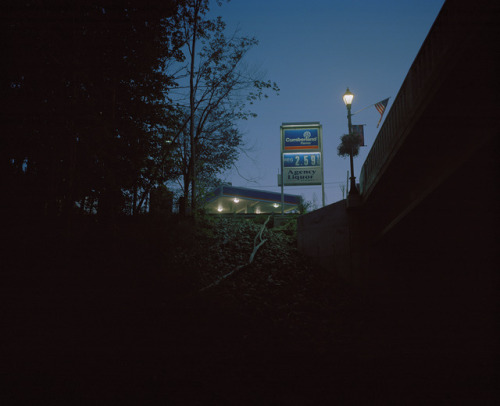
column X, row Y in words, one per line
column 134, row 202
column 192, row 93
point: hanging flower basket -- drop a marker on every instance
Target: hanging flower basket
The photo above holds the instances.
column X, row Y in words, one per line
column 349, row 143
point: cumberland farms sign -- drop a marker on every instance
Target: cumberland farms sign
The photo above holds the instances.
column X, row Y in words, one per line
column 301, row 154
column 301, row 139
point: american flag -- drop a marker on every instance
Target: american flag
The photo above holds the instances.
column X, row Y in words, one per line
column 380, row 106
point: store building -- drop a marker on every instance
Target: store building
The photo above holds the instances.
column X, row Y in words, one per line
column 228, row 199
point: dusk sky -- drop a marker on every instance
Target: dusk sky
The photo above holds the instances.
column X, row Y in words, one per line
column 314, row 50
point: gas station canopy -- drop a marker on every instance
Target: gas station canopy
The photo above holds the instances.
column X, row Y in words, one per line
column 231, row 199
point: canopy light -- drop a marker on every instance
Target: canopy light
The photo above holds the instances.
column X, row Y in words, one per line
column 276, row 205
column 236, row 200
column 219, row 209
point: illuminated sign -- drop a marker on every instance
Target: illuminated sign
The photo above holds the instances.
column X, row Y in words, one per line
column 300, row 139
column 299, row 159
column 301, row 154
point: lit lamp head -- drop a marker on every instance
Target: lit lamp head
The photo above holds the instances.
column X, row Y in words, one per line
column 348, row 96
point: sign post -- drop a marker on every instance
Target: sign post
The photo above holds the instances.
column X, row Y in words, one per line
column 302, row 156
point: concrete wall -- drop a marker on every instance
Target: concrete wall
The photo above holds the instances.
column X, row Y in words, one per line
column 324, row 235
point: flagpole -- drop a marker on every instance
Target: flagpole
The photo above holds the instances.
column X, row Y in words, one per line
column 367, row 107
column 359, row 111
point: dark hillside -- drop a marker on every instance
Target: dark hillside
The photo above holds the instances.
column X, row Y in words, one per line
column 130, row 313
column 108, row 315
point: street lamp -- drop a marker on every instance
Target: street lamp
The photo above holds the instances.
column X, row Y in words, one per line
column 348, row 96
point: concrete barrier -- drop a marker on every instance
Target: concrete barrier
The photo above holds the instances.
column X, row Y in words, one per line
column 325, row 236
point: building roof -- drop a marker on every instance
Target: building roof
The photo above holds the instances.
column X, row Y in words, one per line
column 232, row 199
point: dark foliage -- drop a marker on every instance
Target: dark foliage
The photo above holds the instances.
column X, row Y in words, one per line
column 349, row 144
column 83, row 112
column 115, row 314
column 87, row 117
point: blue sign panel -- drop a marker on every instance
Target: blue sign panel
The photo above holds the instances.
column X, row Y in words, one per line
column 301, row 159
column 300, row 139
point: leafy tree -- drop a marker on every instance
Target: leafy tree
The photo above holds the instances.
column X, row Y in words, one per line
column 217, row 89
column 84, row 114
column 216, row 151
column 304, row 206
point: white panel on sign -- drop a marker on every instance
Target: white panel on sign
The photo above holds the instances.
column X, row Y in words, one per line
column 303, row 176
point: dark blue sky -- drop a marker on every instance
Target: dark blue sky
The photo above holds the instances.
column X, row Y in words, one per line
column 314, row 50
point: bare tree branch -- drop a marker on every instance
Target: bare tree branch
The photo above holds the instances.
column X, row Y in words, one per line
column 257, row 243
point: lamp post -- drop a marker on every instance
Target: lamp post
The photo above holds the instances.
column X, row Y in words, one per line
column 348, row 96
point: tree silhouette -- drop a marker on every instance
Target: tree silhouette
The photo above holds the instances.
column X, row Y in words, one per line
column 217, row 88
column 84, row 112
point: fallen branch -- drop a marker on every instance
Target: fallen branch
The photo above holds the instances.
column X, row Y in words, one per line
column 256, row 247
column 259, row 236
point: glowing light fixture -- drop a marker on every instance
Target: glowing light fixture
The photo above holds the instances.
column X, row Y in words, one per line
column 219, row 209
column 348, row 96
column 276, row 205
column 236, row 200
